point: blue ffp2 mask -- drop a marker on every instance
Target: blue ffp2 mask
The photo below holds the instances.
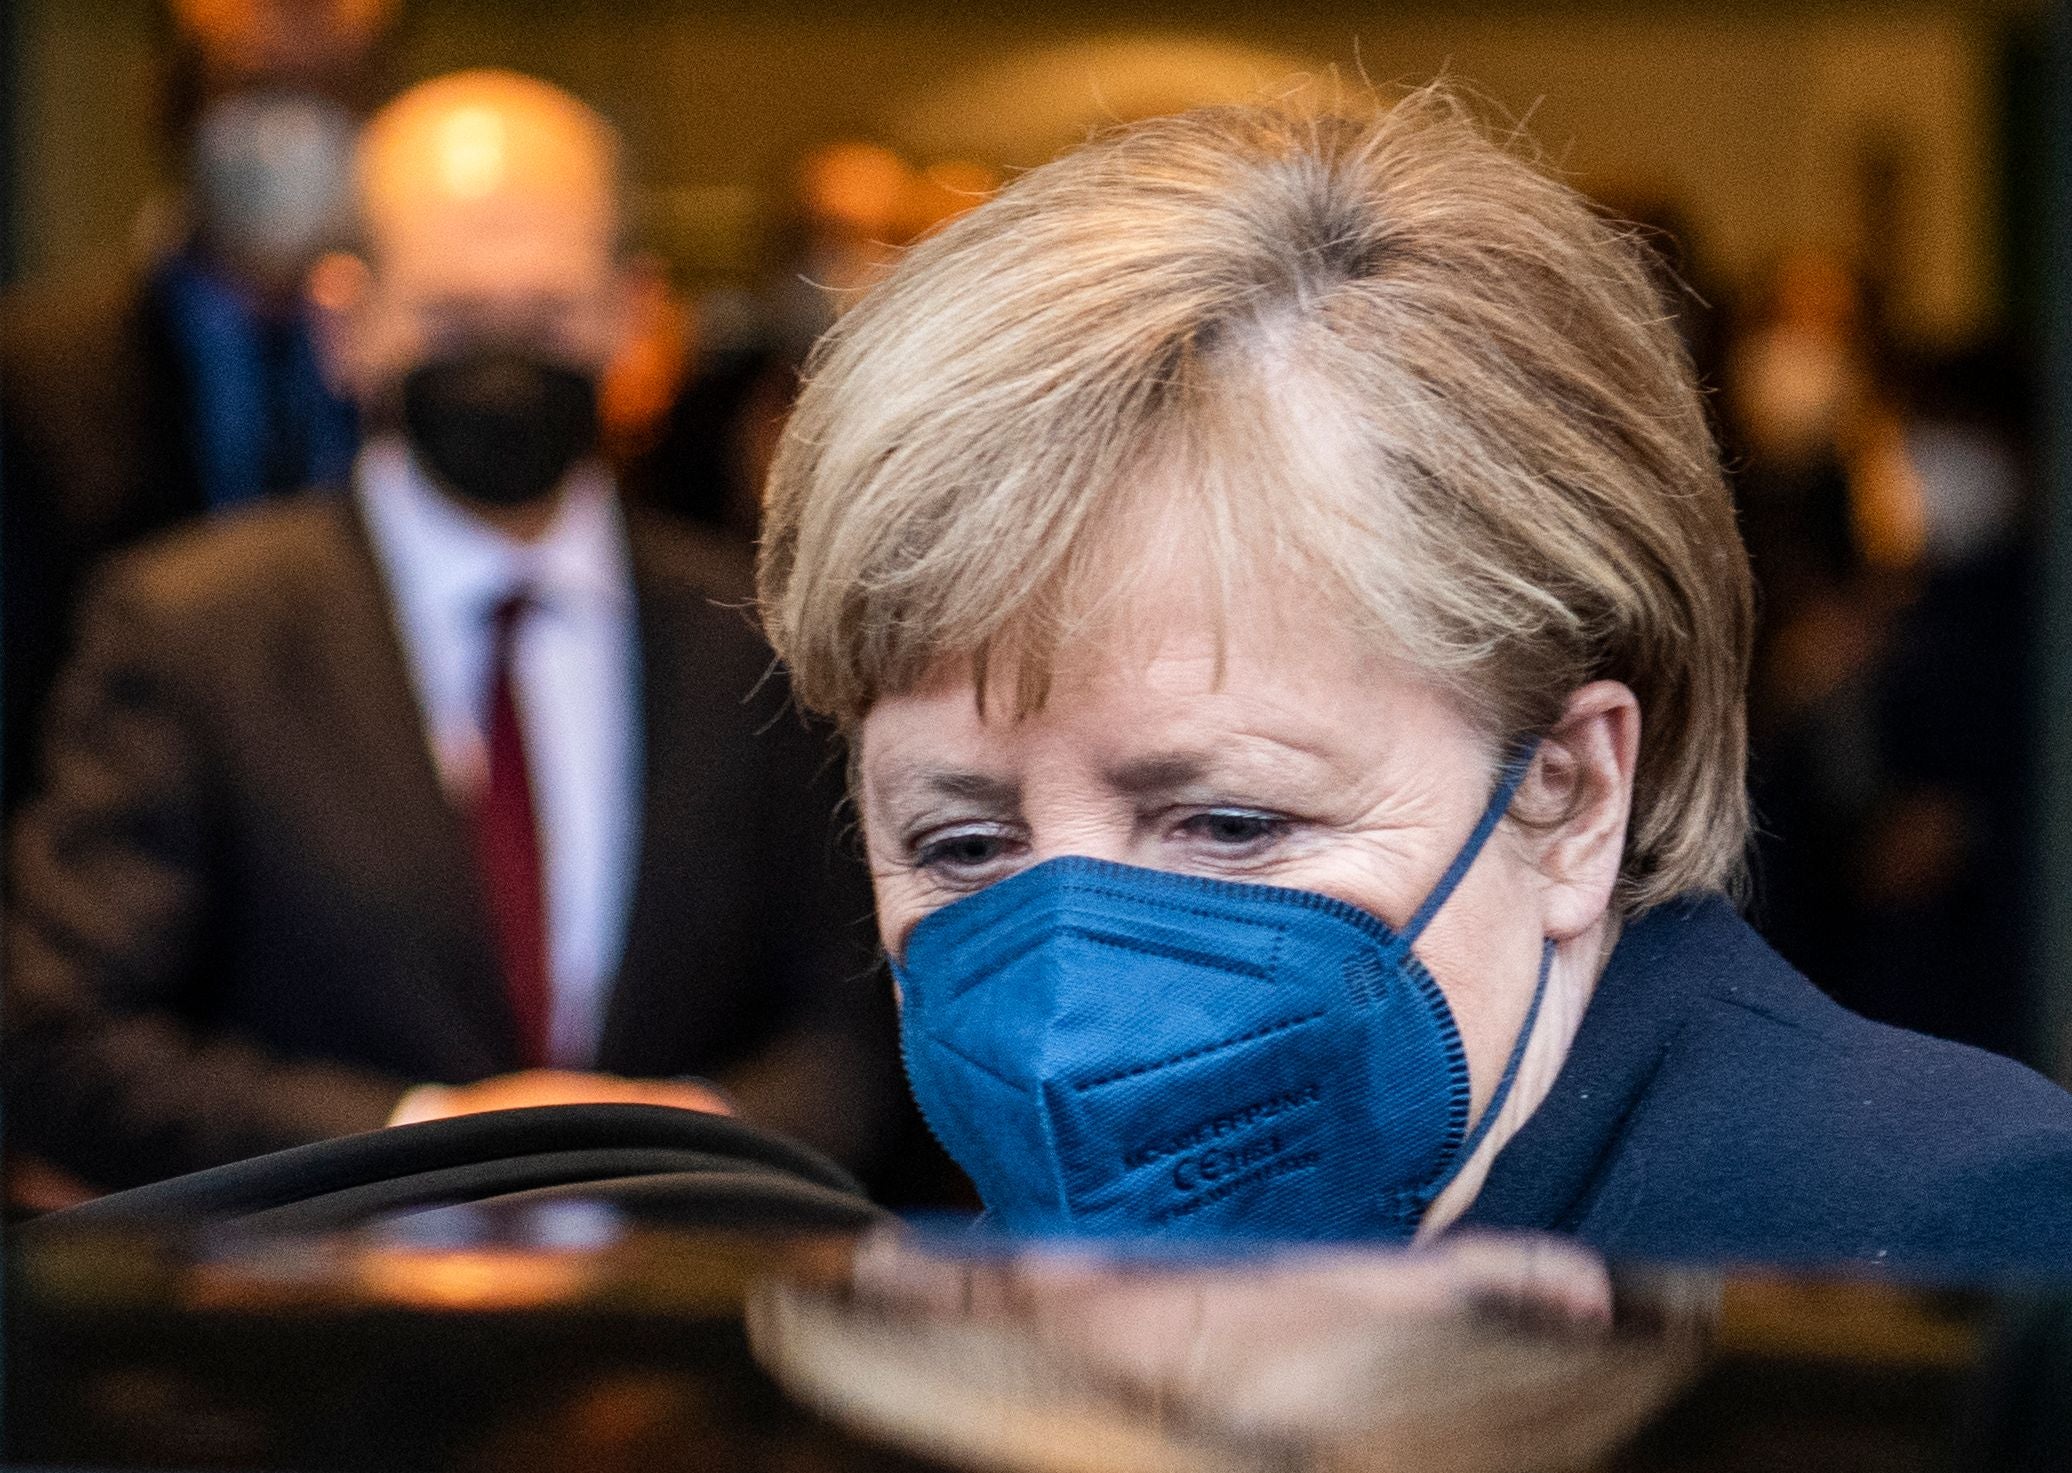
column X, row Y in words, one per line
column 1108, row 1050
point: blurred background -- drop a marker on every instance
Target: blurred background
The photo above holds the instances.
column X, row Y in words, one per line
column 1851, row 203
column 1892, row 133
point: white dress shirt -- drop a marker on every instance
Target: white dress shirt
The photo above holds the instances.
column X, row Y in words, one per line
column 576, row 678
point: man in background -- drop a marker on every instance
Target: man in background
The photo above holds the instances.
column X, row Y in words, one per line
column 185, row 382
column 463, row 791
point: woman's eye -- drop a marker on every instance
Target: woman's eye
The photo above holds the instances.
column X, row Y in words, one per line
column 962, row 850
column 1234, row 829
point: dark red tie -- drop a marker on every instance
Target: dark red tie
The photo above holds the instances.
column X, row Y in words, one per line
column 507, row 842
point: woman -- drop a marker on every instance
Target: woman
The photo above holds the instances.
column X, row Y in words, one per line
column 1278, row 584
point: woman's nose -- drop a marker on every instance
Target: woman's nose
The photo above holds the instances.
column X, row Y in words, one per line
column 1085, row 838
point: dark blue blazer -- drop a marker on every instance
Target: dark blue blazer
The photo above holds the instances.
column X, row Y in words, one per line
column 1715, row 1106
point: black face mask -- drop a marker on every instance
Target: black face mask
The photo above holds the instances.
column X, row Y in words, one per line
column 499, row 426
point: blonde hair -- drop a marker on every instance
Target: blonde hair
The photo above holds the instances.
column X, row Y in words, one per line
column 1384, row 355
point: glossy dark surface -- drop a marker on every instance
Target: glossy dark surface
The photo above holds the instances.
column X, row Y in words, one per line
column 542, row 1342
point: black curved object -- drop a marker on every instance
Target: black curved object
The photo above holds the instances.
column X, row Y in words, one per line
column 719, row 1201
column 679, row 1166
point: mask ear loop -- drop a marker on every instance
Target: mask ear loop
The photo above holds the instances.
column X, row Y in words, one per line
column 1492, row 814
column 1499, row 804
column 1506, row 1080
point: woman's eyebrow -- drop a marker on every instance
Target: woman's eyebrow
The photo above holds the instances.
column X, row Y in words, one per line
column 1247, row 758
column 1160, row 773
column 962, row 784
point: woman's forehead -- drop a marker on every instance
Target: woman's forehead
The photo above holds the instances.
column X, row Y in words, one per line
column 1175, row 682
column 1168, row 626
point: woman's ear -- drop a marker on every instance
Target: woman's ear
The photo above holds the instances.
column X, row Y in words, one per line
column 1580, row 797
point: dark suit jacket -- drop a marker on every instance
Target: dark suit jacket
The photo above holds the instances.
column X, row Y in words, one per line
column 1715, row 1106
column 96, row 452
column 245, row 916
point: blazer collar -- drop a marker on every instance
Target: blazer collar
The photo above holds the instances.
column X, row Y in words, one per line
column 680, row 742
column 1667, row 962
column 676, row 622
column 379, row 728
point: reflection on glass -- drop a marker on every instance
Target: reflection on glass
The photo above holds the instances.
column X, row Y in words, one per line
column 1486, row 1352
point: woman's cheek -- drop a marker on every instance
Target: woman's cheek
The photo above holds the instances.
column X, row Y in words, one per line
column 1381, row 878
